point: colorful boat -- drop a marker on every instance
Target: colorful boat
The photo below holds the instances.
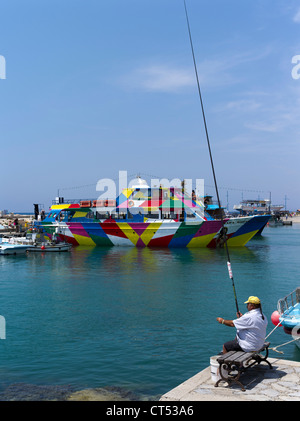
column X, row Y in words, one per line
column 146, row 217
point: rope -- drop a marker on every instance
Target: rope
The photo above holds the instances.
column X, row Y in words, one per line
column 278, row 346
column 273, row 330
column 211, row 158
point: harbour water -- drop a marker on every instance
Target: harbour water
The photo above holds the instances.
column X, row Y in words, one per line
column 142, row 320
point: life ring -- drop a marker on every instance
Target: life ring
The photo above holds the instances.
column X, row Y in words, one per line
column 130, row 203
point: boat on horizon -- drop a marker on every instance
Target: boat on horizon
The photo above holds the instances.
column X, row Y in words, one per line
column 257, row 207
column 146, row 217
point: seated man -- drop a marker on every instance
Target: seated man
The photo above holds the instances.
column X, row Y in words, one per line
column 251, row 328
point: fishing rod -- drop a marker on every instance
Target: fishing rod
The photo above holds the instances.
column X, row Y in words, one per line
column 211, row 158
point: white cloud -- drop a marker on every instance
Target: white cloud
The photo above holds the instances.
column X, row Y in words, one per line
column 296, row 18
column 165, row 78
column 216, row 72
column 243, row 105
column 159, row 78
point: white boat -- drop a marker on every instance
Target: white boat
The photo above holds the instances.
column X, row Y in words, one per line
column 10, row 248
column 252, row 207
column 28, row 239
column 31, row 242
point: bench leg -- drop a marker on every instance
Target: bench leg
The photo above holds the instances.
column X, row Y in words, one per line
column 259, row 358
column 230, row 378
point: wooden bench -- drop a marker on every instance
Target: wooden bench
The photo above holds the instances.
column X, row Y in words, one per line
column 234, row 363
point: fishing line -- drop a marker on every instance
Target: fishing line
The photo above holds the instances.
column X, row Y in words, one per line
column 211, row 158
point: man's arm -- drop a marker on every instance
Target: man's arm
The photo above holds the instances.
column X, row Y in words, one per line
column 225, row 322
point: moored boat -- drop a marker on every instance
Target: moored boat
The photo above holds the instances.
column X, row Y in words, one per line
column 59, row 247
column 12, row 249
column 257, row 207
column 288, row 309
column 146, row 217
column 35, row 242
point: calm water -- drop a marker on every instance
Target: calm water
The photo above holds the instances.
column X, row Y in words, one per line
column 140, row 319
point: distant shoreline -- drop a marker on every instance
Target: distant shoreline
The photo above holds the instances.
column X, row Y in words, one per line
column 295, row 219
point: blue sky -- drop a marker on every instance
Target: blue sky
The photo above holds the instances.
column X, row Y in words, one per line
column 93, row 87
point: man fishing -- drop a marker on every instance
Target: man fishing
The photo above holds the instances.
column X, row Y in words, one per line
column 251, row 328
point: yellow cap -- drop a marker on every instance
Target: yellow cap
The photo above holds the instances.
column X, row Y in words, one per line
column 253, row 300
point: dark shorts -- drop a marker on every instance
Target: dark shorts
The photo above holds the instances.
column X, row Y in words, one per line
column 232, row 345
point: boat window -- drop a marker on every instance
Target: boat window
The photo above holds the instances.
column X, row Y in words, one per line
column 163, row 193
column 90, row 215
column 121, row 215
column 152, row 215
column 65, row 215
column 102, row 215
column 140, row 194
column 52, row 214
column 129, row 215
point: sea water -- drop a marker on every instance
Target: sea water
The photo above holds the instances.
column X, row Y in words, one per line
column 143, row 320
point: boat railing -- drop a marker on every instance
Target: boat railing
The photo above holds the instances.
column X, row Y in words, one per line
column 73, row 201
column 289, row 301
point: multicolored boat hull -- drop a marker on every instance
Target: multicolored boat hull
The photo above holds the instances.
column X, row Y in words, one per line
column 147, row 217
column 155, row 233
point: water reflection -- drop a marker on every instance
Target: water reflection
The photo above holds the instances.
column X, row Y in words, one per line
column 118, row 315
column 150, row 260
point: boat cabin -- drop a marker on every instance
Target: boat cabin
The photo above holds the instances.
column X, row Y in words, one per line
column 136, row 204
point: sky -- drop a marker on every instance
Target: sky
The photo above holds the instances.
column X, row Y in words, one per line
column 89, row 88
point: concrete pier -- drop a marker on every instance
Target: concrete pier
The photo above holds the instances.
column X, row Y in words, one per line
column 282, row 383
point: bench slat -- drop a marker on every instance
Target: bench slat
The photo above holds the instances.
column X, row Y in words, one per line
column 239, row 357
column 246, row 356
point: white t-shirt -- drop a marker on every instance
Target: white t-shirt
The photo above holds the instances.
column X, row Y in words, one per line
column 251, row 330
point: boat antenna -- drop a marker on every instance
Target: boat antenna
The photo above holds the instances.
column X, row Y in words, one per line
column 211, row 158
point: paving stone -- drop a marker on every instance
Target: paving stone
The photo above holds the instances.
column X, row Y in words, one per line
column 282, row 383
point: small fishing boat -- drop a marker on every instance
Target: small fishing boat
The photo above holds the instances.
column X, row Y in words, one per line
column 275, row 221
column 11, row 248
column 48, row 247
column 288, row 315
column 35, row 242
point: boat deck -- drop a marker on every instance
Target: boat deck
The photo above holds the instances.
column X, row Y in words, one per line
column 282, row 383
